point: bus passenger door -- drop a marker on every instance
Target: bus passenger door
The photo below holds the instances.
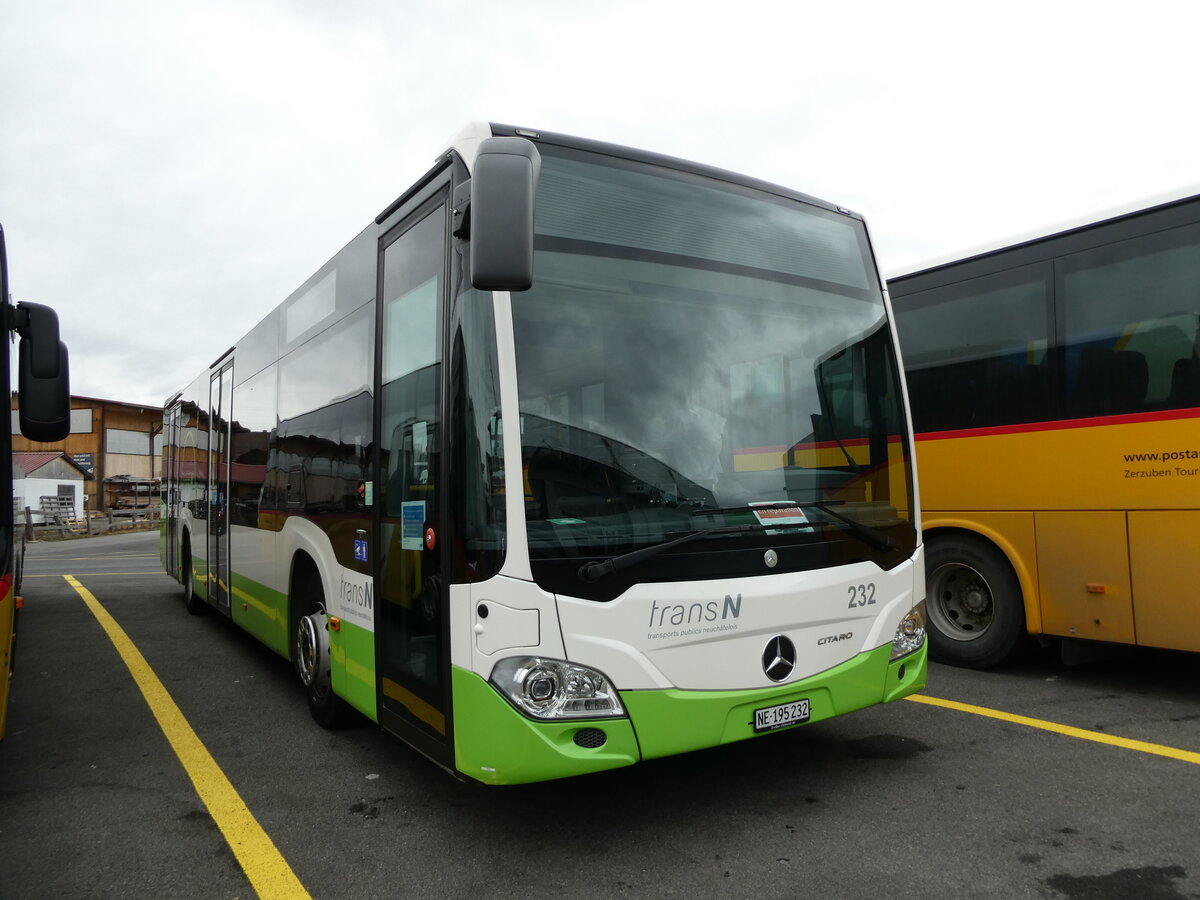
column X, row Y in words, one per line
column 411, row 616
column 170, row 479
column 220, row 400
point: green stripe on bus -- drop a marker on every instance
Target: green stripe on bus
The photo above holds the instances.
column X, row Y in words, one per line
column 352, row 665
column 262, row 611
column 674, row 721
column 497, row 745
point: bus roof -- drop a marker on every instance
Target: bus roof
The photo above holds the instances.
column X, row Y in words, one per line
column 1054, row 230
column 466, row 144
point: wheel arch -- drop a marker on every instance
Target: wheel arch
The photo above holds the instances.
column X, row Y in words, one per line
column 311, row 561
column 301, row 568
column 942, row 528
column 300, row 537
column 185, row 553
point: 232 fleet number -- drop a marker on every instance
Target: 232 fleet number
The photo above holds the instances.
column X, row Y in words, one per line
column 861, row 595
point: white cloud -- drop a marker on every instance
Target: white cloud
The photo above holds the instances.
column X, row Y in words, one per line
column 169, row 172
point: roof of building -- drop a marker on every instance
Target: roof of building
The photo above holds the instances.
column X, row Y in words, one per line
column 29, row 462
column 145, row 407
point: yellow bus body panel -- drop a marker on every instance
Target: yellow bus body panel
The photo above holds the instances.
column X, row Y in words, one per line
column 8, row 611
column 1099, row 517
column 1167, row 577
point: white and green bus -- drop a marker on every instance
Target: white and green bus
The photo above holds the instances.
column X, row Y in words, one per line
column 575, row 456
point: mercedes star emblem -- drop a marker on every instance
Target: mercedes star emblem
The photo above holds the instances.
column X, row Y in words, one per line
column 779, row 658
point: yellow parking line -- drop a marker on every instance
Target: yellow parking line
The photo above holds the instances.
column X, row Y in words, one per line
column 26, row 577
column 63, row 559
column 269, row 873
column 1070, row 731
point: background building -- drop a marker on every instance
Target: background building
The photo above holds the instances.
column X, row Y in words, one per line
column 47, row 473
column 117, row 445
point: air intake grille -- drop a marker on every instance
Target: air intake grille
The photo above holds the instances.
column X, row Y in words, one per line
column 590, row 738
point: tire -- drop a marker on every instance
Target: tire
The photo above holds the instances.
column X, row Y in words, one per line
column 974, row 604
column 310, row 655
column 194, row 604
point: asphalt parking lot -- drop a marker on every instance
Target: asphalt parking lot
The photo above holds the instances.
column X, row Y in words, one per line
column 1040, row 780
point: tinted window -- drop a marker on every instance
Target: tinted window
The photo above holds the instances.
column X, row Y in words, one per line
column 477, row 496
column 254, row 420
column 319, row 455
column 666, row 212
column 975, row 352
column 1130, row 316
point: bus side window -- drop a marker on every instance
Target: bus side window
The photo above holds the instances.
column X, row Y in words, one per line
column 1130, row 314
column 976, row 354
column 1185, row 383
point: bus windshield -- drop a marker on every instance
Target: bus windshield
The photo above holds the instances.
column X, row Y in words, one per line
column 697, row 356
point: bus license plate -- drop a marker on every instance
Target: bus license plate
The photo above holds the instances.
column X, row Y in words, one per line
column 771, row 717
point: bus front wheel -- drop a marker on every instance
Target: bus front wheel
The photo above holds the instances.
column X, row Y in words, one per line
column 311, row 655
column 976, row 611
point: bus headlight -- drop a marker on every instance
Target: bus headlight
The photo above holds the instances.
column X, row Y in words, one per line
column 910, row 634
column 553, row 689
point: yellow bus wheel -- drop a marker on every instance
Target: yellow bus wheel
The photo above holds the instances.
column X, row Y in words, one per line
column 974, row 603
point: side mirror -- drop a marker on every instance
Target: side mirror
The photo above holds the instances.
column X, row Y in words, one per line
column 43, row 375
column 503, row 195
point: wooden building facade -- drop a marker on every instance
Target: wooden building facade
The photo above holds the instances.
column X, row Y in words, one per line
column 117, row 444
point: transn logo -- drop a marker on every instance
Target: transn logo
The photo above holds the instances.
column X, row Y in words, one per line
column 691, row 613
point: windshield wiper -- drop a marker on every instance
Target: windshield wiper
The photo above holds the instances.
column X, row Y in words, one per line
column 871, row 536
column 866, row 533
column 597, row 569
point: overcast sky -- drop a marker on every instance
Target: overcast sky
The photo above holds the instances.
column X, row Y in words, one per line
column 170, row 171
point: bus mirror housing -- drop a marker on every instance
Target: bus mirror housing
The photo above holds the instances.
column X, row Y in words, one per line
column 43, row 375
column 503, row 194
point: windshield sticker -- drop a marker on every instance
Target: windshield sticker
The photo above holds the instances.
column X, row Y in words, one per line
column 774, row 514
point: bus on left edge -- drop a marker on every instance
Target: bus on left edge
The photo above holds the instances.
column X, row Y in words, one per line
column 44, row 414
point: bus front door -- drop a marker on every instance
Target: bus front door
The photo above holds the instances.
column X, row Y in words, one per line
column 171, row 476
column 411, row 614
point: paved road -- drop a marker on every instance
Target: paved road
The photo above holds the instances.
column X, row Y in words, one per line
column 909, row 800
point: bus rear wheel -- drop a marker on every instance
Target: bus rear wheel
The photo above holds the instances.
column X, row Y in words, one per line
column 311, row 654
column 194, row 604
column 974, row 603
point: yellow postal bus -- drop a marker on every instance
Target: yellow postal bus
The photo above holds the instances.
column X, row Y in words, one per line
column 44, row 414
column 1055, row 391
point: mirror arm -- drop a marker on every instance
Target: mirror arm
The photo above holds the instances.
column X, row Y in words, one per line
column 461, row 210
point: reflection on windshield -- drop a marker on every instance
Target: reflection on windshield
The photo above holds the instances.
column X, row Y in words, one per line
column 590, row 484
column 636, row 410
column 653, row 385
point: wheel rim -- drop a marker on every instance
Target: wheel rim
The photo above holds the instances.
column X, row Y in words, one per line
column 962, row 606
column 308, row 651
